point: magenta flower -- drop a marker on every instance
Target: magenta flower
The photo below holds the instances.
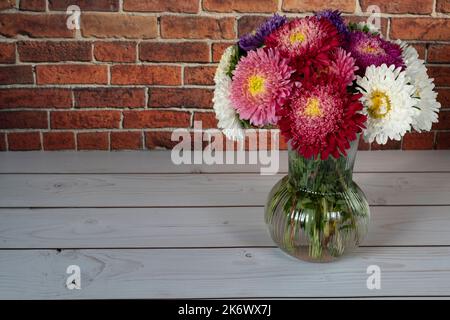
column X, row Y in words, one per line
column 261, row 84
column 368, row 49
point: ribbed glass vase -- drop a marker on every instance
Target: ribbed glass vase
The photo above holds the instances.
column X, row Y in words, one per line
column 317, row 213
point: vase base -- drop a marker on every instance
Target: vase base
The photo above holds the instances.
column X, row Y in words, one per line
column 302, row 253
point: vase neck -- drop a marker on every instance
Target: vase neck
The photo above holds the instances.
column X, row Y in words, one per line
column 322, row 176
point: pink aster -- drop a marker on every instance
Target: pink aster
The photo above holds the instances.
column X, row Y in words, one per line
column 261, row 84
column 305, row 41
column 340, row 71
column 321, row 120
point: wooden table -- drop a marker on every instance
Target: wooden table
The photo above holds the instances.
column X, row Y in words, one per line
column 140, row 227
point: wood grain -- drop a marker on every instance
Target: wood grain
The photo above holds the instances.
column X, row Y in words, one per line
column 196, row 227
column 141, row 227
column 138, row 190
column 160, row 162
column 214, row 273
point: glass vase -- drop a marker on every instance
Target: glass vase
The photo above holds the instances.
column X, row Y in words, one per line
column 317, row 212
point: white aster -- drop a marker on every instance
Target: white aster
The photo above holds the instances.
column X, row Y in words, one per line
column 228, row 119
column 388, row 103
column 424, row 92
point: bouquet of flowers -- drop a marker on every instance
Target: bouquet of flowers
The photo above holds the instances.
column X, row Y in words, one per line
column 322, row 82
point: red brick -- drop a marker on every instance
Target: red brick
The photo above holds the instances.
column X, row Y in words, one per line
column 218, row 48
column 443, row 6
column 240, row 6
column 140, row 74
column 208, row 119
column 420, row 29
column 200, row 75
column 50, row 51
column 110, row 98
column 92, row 141
column 284, row 143
column 35, row 98
column 23, row 120
column 315, row 5
column 440, row 74
column 186, row 6
column 174, row 52
column 118, row 26
column 24, row 141
column 35, row 25
column 390, row 145
column 7, row 4
column 85, row 119
column 2, row 141
column 420, row 49
column 418, row 141
column 117, row 51
column 176, row 27
column 85, row 5
column 16, row 75
column 180, row 97
column 363, row 145
column 403, row 6
column 159, row 139
column 32, row 5
column 58, row 140
column 439, row 53
column 129, row 140
column 248, row 24
column 72, row 74
column 443, row 140
column 444, row 97
column 7, row 52
column 156, row 119
column 444, row 121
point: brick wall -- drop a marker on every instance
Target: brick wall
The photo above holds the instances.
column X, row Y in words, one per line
column 139, row 68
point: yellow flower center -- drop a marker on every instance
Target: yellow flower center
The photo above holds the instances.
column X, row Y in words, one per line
column 256, row 85
column 380, row 105
column 372, row 50
column 313, row 108
column 297, row 37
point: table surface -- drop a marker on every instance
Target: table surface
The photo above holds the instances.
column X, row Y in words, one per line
column 139, row 226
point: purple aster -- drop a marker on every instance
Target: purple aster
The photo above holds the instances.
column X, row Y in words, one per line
column 253, row 41
column 368, row 49
column 335, row 18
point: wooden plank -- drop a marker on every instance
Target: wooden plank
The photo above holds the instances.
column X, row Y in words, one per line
column 214, row 273
column 196, row 227
column 140, row 190
column 160, row 162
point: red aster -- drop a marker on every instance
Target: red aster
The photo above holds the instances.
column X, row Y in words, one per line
column 306, row 42
column 321, row 120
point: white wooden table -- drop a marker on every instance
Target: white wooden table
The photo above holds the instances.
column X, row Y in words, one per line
column 140, row 227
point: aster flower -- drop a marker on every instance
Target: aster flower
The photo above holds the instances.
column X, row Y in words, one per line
column 388, row 103
column 321, row 120
column 255, row 40
column 306, row 42
column 335, row 18
column 370, row 49
column 341, row 70
column 261, row 84
column 426, row 97
column 228, row 119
